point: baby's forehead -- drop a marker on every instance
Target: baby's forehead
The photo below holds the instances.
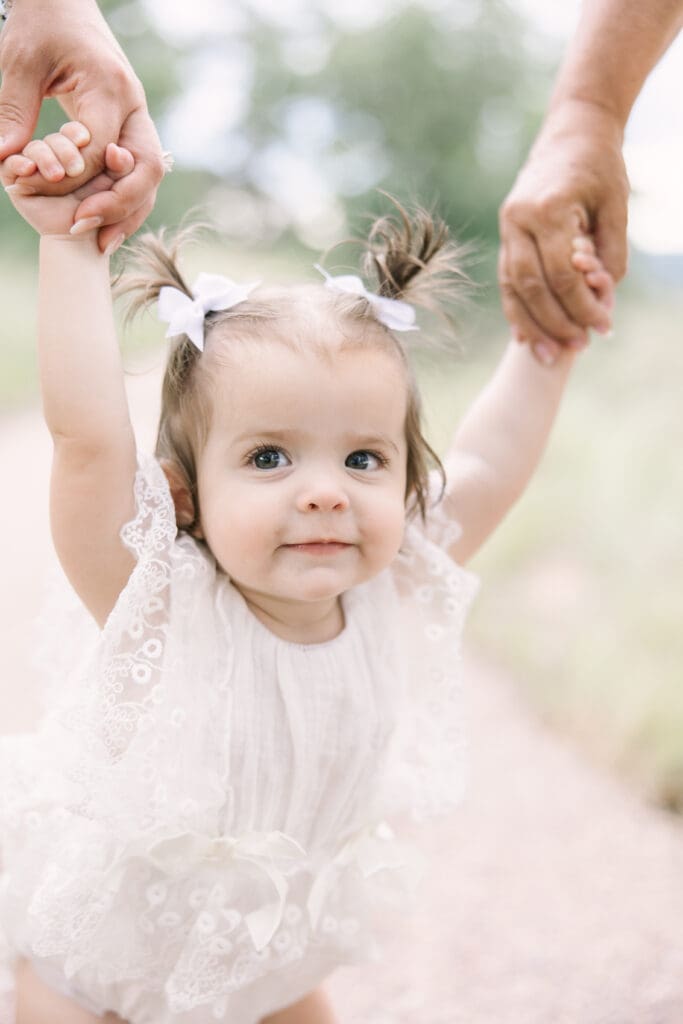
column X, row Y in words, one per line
column 280, row 386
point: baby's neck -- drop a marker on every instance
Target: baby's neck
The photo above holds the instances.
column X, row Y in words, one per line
column 299, row 623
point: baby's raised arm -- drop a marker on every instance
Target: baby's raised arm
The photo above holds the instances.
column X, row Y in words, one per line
column 84, row 400
column 500, row 442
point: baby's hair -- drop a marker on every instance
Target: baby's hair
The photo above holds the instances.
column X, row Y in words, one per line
column 409, row 255
column 413, row 258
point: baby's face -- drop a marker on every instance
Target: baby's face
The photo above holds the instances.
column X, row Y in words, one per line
column 302, row 480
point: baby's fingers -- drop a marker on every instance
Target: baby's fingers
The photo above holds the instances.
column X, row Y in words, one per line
column 76, row 132
column 586, row 262
column 16, row 166
column 602, row 284
column 55, row 156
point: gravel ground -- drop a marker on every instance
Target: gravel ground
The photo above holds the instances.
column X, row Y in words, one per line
column 556, row 896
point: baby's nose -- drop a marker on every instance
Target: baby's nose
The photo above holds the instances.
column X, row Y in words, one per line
column 323, row 496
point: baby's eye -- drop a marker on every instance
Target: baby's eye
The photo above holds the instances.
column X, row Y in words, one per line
column 365, row 460
column 269, row 458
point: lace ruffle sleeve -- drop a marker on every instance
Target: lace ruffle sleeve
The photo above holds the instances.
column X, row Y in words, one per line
column 122, row 706
column 426, row 775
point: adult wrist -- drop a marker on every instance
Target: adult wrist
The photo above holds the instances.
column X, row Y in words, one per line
column 574, row 115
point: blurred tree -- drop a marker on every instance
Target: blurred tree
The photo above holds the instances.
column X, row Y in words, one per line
column 422, row 105
column 437, row 102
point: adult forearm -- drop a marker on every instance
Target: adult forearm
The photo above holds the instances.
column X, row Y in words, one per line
column 616, row 45
column 81, row 373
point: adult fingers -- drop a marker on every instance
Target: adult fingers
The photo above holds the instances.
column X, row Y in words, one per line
column 569, row 286
column 610, row 233
column 537, row 238
column 21, row 95
column 124, row 198
column 118, row 161
column 131, row 199
column 112, row 236
column 527, row 300
column 525, row 329
column 104, row 103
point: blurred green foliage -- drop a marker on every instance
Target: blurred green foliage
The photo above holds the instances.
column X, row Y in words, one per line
column 452, row 108
column 420, row 103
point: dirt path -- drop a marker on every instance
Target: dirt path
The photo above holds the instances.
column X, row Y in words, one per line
column 556, row 896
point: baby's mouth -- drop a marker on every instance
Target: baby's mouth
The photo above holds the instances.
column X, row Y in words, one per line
column 321, row 546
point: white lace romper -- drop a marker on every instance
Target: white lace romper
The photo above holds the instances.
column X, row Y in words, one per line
column 200, row 827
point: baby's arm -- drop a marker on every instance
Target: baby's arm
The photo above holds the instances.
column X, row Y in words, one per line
column 84, row 400
column 500, row 442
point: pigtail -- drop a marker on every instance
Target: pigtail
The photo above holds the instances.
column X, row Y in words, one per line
column 152, row 263
column 411, row 257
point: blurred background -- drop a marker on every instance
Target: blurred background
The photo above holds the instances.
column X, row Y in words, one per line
column 285, row 117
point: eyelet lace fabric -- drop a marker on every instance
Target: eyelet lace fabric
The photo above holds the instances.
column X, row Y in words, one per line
column 201, row 827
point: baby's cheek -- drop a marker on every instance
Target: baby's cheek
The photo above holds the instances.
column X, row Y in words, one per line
column 389, row 528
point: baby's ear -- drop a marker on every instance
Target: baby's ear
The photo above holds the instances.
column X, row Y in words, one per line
column 182, row 496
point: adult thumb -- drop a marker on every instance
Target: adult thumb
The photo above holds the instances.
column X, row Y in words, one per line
column 20, row 102
column 610, row 233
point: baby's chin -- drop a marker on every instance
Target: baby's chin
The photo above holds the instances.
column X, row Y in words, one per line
column 317, row 585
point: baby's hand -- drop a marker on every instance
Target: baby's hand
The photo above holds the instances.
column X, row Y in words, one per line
column 55, row 157
column 584, row 259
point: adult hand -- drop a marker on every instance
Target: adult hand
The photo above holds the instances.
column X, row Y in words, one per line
column 574, row 182
column 66, row 50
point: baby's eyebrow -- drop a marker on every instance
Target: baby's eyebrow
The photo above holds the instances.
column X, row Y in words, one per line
column 267, row 433
column 373, row 441
column 352, row 441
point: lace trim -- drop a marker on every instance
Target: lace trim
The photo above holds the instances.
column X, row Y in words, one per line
column 428, row 772
column 192, row 937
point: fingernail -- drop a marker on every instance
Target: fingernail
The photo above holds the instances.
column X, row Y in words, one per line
column 20, row 190
column 80, row 136
column 115, row 244
column 76, row 168
column 86, row 224
column 544, row 353
column 577, row 343
column 605, row 329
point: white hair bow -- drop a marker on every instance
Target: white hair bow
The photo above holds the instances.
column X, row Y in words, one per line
column 211, row 292
column 393, row 313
